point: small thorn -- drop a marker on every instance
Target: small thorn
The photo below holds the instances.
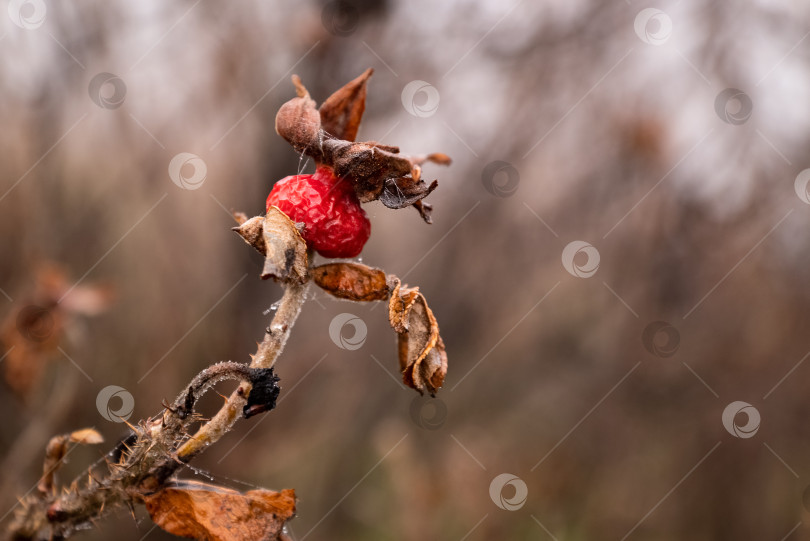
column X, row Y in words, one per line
column 132, row 511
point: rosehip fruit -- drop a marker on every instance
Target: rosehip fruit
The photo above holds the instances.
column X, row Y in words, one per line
column 334, row 223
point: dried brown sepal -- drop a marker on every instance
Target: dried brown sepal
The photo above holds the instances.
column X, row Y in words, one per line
column 285, row 249
column 252, row 231
column 376, row 171
column 424, row 210
column 299, row 122
column 239, row 217
column 342, row 112
column 213, row 513
column 57, row 449
column 403, row 192
column 422, row 357
column 351, row 281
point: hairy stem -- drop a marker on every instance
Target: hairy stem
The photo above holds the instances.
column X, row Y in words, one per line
column 274, row 340
column 142, row 463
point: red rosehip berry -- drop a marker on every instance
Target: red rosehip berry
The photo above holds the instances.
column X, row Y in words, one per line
column 334, row 223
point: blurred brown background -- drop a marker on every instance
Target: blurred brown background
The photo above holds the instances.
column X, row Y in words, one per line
column 614, row 127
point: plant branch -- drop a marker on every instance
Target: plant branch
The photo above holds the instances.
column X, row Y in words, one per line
column 275, row 338
column 159, row 446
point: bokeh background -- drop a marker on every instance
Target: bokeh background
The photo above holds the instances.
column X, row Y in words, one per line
column 669, row 136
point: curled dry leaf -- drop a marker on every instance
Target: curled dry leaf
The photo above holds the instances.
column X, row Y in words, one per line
column 276, row 237
column 351, row 281
column 57, row 449
column 327, row 135
column 86, row 436
column 422, row 357
column 213, row 513
column 31, row 332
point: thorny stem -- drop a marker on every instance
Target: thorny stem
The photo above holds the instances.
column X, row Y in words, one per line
column 274, row 340
column 141, row 464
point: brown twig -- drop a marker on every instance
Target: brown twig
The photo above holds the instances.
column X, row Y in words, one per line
column 274, row 340
column 159, row 446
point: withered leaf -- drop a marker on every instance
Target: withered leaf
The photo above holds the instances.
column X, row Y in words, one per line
column 422, row 357
column 352, row 281
column 375, row 170
column 342, row 111
column 86, row 436
column 212, row 513
column 284, row 249
column 403, row 192
column 400, row 304
column 89, row 301
column 31, row 333
column 57, row 449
